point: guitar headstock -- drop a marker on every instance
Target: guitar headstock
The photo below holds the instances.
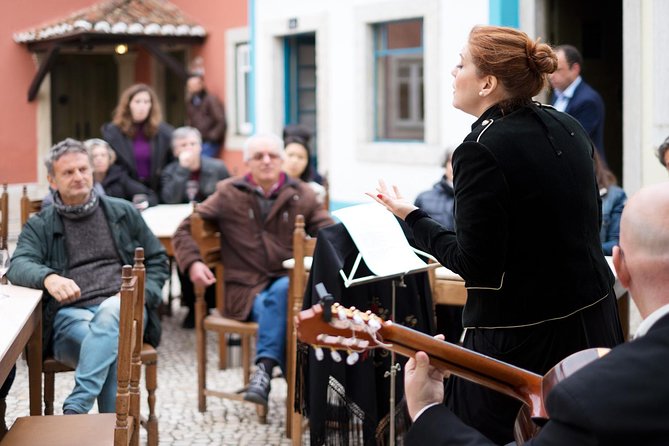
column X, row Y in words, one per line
column 348, row 329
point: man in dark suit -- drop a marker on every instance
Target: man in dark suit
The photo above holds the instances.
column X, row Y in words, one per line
column 620, row 399
column 572, row 95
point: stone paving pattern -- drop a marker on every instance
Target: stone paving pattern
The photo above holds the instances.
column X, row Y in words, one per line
column 225, row 422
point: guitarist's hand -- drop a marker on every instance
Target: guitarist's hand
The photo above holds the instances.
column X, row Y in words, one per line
column 423, row 383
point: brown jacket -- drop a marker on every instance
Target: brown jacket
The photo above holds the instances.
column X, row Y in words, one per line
column 209, row 118
column 252, row 250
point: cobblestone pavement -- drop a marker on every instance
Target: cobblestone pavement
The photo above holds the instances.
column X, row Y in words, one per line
column 224, row 423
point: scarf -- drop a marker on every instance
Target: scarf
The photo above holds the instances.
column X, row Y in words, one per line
column 75, row 212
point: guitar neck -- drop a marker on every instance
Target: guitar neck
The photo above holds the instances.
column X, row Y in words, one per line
column 505, row 378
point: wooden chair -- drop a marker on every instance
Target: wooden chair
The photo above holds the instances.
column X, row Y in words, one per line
column 120, row 428
column 149, row 358
column 28, row 206
column 4, row 216
column 207, row 238
column 303, row 248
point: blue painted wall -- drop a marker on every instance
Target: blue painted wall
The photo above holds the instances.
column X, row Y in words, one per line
column 504, row 13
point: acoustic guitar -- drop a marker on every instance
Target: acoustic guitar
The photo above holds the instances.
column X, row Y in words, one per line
column 339, row 328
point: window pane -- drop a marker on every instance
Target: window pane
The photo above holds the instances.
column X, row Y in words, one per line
column 306, row 55
column 405, row 34
column 399, row 101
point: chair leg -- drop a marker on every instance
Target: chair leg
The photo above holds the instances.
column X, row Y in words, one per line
column 246, row 358
column 296, row 428
column 222, row 351
column 49, row 392
column 3, row 410
column 151, row 377
column 201, row 341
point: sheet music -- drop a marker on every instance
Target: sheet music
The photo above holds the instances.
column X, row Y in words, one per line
column 379, row 237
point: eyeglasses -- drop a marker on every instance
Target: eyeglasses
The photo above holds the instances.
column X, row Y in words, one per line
column 260, row 156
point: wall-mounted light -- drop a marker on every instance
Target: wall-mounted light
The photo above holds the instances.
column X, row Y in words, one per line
column 121, row 48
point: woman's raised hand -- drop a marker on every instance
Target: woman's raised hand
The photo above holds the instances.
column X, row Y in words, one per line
column 392, row 200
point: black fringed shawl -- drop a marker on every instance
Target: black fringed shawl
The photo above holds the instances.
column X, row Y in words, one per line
column 348, row 405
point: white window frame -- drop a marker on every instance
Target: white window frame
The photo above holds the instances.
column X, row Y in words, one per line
column 235, row 87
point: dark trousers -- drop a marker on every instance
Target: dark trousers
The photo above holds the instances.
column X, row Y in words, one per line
column 188, row 293
column 536, row 348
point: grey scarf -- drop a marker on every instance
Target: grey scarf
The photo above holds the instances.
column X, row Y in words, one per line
column 78, row 211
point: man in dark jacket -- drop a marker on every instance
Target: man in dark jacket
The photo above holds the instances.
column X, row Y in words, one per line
column 256, row 218
column 190, row 177
column 74, row 251
column 618, row 399
column 206, row 113
column 572, row 95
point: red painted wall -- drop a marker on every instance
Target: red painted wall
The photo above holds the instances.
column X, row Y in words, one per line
column 18, row 117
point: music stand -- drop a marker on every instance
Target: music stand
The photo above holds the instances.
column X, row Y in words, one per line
column 386, row 252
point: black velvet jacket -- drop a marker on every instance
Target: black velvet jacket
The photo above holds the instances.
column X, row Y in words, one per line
column 527, row 212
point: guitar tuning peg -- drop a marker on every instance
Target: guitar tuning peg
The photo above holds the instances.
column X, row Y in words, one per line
column 374, row 324
column 352, row 358
column 341, row 313
column 357, row 319
column 334, row 354
column 319, row 353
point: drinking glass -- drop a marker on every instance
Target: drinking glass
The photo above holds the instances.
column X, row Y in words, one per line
column 141, row 201
column 4, row 266
column 192, row 188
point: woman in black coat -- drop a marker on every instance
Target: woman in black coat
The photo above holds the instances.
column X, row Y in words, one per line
column 141, row 140
column 523, row 181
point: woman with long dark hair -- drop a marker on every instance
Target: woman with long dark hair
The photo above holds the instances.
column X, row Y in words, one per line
column 138, row 135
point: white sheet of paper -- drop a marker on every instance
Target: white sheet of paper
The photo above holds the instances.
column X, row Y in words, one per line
column 380, row 239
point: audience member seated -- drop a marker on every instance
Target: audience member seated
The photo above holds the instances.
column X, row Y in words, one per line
column 139, row 137
column 190, row 177
column 438, row 202
column 256, row 216
column 663, row 154
column 74, row 250
column 114, row 179
column 297, row 160
column 618, row 399
column 613, row 202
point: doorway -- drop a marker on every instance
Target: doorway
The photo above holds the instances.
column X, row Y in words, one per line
column 596, row 28
column 84, row 92
column 301, row 86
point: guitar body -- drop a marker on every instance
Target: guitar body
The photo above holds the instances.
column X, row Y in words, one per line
column 340, row 328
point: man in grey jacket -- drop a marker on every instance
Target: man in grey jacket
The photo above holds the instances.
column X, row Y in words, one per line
column 74, row 251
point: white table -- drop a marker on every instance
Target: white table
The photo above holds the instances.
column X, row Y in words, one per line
column 163, row 220
column 21, row 326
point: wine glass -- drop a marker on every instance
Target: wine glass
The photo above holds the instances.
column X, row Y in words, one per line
column 4, row 266
column 140, row 201
column 192, row 188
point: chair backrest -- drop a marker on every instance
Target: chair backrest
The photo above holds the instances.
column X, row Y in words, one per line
column 4, row 216
column 139, row 272
column 208, row 238
column 131, row 323
column 303, row 246
column 28, row 206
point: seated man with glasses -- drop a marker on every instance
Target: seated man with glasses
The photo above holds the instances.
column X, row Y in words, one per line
column 255, row 215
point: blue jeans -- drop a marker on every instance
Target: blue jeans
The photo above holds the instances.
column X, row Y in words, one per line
column 86, row 339
column 210, row 149
column 269, row 311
